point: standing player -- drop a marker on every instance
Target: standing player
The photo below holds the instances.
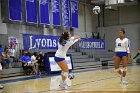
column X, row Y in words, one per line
column 65, row 41
column 122, row 53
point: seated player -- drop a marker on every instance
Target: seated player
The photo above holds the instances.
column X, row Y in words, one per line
column 26, row 61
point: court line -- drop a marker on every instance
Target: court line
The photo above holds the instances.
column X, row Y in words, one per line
column 81, row 84
column 51, row 75
column 84, row 83
column 72, row 86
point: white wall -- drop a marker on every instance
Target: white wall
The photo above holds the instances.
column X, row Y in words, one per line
column 111, row 17
column 129, row 14
column 122, row 15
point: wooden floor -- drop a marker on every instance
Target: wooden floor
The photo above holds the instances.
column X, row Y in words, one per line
column 91, row 81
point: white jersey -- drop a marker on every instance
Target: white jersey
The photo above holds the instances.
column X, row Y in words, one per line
column 122, row 45
column 33, row 58
column 63, row 48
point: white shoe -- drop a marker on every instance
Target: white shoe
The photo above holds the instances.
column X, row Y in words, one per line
column 124, row 82
column 63, row 85
column 1, row 87
column 121, row 78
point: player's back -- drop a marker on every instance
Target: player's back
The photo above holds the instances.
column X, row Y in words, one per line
column 63, row 48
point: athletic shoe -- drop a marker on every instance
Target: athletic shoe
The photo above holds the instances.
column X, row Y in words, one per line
column 63, row 85
column 1, row 87
column 124, row 82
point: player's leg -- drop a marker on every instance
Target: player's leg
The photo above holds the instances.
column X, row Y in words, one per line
column 63, row 65
column 37, row 69
column 117, row 65
column 124, row 69
column 34, row 68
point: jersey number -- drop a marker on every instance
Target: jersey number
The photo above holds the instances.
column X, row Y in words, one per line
column 119, row 44
column 64, row 43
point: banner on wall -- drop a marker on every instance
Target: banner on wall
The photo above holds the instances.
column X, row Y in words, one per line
column 55, row 12
column 51, row 42
column 44, row 11
column 91, row 44
column 65, row 13
column 40, row 42
column 15, row 10
column 31, row 11
column 74, row 13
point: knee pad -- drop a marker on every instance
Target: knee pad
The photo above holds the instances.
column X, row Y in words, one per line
column 117, row 70
column 64, row 73
column 124, row 69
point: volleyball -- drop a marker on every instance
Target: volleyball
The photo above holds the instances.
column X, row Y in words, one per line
column 71, row 76
column 96, row 10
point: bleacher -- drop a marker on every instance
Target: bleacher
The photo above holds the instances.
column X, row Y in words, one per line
column 80, row 61
column 16, row 70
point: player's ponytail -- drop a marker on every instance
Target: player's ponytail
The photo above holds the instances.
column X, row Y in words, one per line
column 61, row 39
column 64, row 36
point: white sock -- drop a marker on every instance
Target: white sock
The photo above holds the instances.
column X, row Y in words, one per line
column 123, row 78
column 63, row 81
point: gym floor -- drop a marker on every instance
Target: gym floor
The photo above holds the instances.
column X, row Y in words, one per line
column 85, row 81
